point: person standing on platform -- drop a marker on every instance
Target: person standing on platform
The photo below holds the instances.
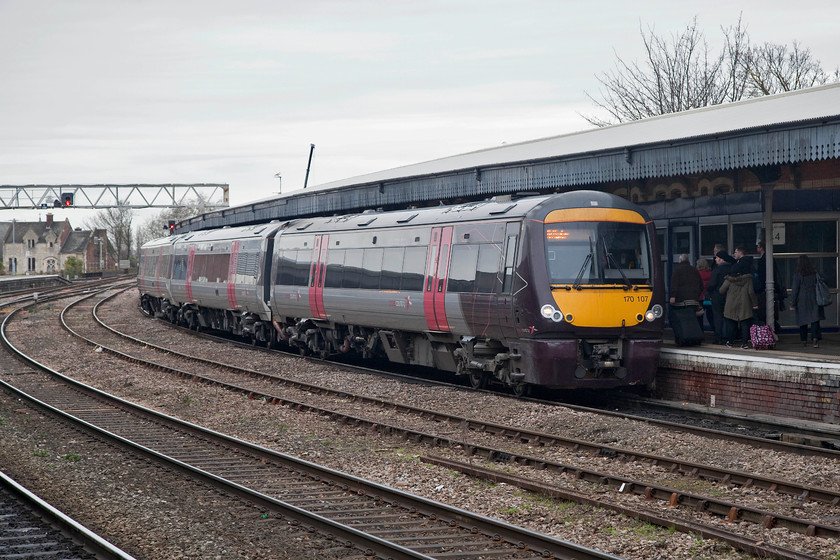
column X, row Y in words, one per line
column 779, row 289
column 803, row 299
column 741, row 302
column 722, row 268
column 705, row 271
column 686, row 284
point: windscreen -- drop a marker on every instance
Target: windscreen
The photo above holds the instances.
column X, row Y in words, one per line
column 582, row 253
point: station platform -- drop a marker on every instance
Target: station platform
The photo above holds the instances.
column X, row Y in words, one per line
column 792, row 380
column 12, row 283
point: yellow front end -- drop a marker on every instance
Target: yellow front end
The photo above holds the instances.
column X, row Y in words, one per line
column 602, row 306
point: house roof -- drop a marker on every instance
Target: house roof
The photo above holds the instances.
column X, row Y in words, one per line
column 15, row 231
column 76, row 242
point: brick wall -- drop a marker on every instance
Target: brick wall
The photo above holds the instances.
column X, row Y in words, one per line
column 779, row 387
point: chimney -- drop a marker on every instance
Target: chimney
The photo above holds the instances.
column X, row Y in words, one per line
column 49, row 220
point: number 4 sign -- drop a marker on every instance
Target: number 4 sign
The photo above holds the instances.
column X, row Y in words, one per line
column 778, row 234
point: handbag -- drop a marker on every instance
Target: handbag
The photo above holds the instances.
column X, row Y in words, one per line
column 823, row 295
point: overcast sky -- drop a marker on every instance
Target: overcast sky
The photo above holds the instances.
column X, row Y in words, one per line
column 235, row 92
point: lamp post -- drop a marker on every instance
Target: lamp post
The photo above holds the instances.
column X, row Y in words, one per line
column 98, row 241
column 280, row 186
column 13, row 262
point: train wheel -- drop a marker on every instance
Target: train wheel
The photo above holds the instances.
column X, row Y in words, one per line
column 521, row 389
column 479, row 379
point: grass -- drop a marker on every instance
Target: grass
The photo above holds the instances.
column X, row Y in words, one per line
column 72, row 457
column 42, row 453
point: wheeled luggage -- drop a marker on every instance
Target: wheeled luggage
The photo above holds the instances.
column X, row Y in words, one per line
column 687, row 331
column 762, row 337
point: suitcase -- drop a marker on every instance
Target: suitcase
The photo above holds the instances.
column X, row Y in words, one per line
column 687, row 331
column 762, row 337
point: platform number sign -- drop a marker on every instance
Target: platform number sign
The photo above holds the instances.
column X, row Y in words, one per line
column 778, row 234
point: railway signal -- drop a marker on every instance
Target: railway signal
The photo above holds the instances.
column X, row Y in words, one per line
column 67, row 199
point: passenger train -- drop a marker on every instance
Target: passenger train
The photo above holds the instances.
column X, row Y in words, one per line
column 562, row 291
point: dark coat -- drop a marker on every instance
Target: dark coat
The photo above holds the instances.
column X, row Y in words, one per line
column 740, row 297
column 686, row 284
column 803, row 298
column 778, row 282
column 716, row 280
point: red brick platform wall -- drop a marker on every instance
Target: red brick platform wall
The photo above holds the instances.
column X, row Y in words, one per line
column 778, row 388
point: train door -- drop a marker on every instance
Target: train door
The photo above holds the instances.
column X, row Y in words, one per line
column 437, row 269
column 190, row 263
column 231, row 279
column 505, row 302
column 316, row 276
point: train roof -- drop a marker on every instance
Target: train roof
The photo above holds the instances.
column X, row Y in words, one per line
column 232, row 233
column 502, row 207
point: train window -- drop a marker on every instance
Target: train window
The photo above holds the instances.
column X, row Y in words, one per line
column 487, row 269
column 462, row 268
column 597, row 252
column 286, row 262
column 303, row 260
column 352, row 268
column 392, row 261
column 371, row 269
column 510, row 253
column 413, row 269
column 335, row 268
column 180, row 272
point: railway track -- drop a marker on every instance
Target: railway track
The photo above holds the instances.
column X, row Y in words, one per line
column 374, row 519
column 730, row 511
column 31, row 528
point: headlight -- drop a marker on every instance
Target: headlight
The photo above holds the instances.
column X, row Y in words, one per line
column 549, row 312
column 654, row 313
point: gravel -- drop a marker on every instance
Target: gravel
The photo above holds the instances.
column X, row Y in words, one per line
column 155, row 512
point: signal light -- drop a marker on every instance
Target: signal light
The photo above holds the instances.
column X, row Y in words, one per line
column 171, row 225
column 67, row 199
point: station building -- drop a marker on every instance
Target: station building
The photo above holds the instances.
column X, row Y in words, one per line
column 43, row 247
column 761, row 169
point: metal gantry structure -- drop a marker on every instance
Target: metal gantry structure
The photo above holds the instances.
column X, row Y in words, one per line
column 113, row 196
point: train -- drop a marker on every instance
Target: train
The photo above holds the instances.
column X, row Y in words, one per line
column 562, row 291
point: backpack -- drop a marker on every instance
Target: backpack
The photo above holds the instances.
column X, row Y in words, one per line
column 823, row 295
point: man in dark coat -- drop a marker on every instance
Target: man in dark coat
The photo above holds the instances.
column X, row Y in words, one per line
column 721, row 270
column 686, row 283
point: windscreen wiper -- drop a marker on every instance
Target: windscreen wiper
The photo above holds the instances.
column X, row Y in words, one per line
column 583, row 267
column 611, row 259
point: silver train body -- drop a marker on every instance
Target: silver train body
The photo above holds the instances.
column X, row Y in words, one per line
column 563, row 291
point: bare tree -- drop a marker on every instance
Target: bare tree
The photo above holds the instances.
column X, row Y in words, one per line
column 681, row 72
column 117, row 224
column 776, row 68
column 157, row 226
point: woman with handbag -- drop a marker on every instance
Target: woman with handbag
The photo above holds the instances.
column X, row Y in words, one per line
column 804, row 301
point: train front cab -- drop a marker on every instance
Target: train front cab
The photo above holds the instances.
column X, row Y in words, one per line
column 592, row 316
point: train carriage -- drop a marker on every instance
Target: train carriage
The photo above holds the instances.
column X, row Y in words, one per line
column 482, row 289
column 154, row 270
column 219, row 279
